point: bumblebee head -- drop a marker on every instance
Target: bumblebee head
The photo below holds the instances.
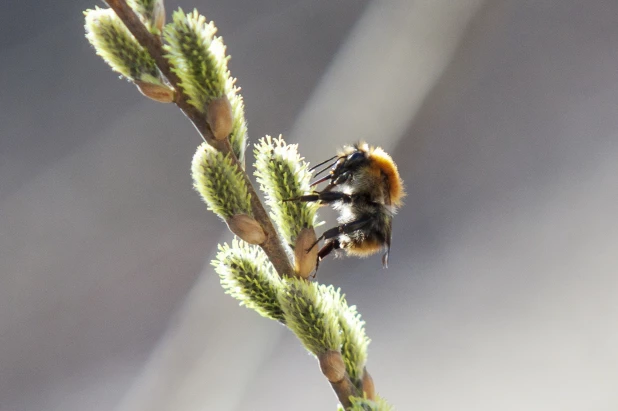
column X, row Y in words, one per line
column 345, row 165
column 351, row 162
column 363, row 159
column 362, row 165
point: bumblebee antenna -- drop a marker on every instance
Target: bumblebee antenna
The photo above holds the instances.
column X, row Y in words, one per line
column 315, row 183
column 322, row 163
column 327, row 167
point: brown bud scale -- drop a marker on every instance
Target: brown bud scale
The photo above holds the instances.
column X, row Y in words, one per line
column 305, row 253
column 368, row 388
column 247, row 229
column 159, row 15
column 332, row 366
column 156, row 92
column 220, row 118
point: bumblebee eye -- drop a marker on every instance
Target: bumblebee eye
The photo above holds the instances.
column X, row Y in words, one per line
column 355, row 156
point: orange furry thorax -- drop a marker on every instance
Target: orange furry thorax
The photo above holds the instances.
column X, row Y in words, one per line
column 382, row 161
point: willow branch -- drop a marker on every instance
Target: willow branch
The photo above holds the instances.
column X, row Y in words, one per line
column 272, row 246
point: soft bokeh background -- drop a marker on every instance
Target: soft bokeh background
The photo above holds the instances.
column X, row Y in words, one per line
column 502, row 294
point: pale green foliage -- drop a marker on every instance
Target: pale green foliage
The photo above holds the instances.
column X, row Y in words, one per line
column 354, row 341
column 220, row 183
column 147, row 10
column 283, row 175
column 311, row 312
column 363, row 404
column 247, row 275
column 144, row 8
column 197, row 57
column 117, row 46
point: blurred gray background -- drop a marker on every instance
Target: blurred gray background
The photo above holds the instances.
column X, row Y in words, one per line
column 501, row 295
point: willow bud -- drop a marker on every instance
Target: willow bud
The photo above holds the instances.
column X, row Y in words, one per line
column 158, row 15
column 219, row 117
column 246, row 228
column 368, row 388
column 305, row 252
column 156, row 92
column 332, row 366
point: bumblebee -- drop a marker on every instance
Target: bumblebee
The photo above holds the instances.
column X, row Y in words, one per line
column 364, row 186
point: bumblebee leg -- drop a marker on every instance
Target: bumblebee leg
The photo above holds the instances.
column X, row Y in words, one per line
column 346, row 228
column 342, row 178
column 326, row 235
column 320, row 180
column 306, row 198
column 334, row 180
column 326, row 249
column 325, row 197
column 332, row 242
column 350, row 227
